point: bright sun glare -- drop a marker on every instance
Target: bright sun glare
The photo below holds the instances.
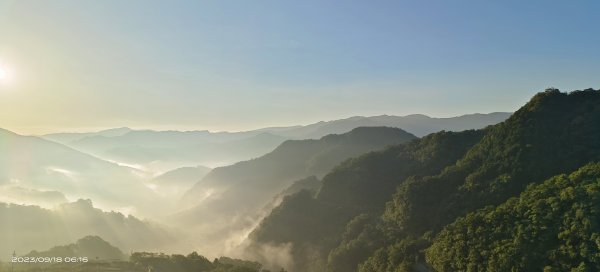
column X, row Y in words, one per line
column 5, row 75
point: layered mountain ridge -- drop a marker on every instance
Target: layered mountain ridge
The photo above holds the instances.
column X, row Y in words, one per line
column 552, row 134
column 160, row 151
column 231, row 199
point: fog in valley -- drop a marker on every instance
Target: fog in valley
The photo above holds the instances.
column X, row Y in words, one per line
column 179, row 191
column 299, row 136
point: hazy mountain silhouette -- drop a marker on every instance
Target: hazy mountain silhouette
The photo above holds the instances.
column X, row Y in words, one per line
column 25, row 228
column 180, row 180
column 296, row 159
column 91, row 247
column 159, row 151
column 417, row 124
column 13, row 193
column 34, row 163
column 66, row 137
column 232, row 198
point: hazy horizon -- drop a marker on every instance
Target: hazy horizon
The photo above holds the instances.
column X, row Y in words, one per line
column 259, row 136
column 233, row 66
column 37, row 131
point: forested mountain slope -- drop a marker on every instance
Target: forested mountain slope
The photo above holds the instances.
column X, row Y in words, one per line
column 553, row 226
column 229, row 201
column 360, row 185
column 554, row 133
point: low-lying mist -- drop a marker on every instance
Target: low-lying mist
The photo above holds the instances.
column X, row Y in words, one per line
column 152, row 191
column 25, row 228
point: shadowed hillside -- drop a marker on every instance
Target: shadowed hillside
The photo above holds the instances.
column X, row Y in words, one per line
column 25, row 228
column 230, row 199
column 554, row 133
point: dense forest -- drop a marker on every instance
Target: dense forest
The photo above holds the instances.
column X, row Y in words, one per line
column 508, row 197
column 552, row 226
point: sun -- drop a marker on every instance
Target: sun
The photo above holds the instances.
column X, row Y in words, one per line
column 6, row 75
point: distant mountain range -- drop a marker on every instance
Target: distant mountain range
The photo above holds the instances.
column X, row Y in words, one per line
column 160, row 151
column 417, row 124
column 35, row 171
column 65, row 137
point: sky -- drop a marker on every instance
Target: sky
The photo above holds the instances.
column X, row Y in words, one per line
column 238, row 65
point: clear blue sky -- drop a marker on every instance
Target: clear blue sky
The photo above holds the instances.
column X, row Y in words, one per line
column 234, row 65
